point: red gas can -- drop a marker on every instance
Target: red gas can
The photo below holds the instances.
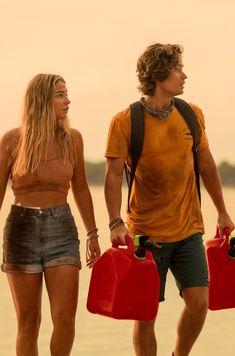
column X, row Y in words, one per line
column 221, row 272
column 123, row 286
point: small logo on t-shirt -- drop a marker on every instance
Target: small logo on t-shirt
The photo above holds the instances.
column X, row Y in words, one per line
column 187, row 134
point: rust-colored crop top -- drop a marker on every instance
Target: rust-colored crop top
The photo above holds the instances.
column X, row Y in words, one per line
column 51, row 175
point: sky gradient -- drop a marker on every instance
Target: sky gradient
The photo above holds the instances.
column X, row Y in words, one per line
column 94, row 45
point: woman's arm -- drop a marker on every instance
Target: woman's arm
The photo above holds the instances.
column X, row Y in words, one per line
column 4, row 165
column 83, row 199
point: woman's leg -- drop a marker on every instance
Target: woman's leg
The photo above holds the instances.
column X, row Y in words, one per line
column 26, row 292
column 62, row 286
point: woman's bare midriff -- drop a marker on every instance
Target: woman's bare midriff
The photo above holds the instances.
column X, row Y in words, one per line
column 41, row 199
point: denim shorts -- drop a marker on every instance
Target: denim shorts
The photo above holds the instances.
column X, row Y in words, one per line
column 187, row 261
column 35, row 239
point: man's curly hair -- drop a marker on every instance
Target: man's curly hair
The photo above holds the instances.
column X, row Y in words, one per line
column 155, row 64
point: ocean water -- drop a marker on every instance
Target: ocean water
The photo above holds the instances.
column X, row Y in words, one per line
column 102, row 336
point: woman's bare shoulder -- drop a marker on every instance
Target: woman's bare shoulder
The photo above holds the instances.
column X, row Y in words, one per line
column 10, row 137
column 77, row 136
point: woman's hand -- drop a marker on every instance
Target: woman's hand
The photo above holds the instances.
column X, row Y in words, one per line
column 92, row 251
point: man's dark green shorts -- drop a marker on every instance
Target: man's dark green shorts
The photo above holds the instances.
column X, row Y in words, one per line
column 187, row 261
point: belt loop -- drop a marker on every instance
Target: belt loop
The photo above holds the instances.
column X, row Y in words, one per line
column 23, row 212
column 54, row 212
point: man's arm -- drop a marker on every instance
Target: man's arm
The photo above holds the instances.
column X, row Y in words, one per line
column 113, row 196
column 210, row 176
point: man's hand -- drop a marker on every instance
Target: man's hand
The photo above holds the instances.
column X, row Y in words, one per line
column 118, row 234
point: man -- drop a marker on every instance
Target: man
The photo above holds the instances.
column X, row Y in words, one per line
column 164, row 202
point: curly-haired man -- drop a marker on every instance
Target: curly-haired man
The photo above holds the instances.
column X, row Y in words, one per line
column 164, row 203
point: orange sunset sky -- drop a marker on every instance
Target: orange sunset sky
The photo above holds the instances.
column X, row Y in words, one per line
column 94, row 45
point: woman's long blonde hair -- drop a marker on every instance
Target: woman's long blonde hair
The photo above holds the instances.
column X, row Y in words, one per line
column 40, row 126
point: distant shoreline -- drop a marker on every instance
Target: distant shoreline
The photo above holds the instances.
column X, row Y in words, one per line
column 96, row 172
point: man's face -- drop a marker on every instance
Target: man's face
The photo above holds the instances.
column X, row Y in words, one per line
column 174, row 84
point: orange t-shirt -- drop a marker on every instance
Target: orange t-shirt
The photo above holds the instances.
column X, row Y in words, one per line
column 164, row 200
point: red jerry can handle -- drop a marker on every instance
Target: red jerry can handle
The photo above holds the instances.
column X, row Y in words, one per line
column 129, row 243
column 226, row 232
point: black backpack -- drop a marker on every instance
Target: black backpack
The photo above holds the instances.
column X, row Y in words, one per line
column 137, row 138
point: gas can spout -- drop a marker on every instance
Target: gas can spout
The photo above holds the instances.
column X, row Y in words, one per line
column 231, row 250
column 145, row 243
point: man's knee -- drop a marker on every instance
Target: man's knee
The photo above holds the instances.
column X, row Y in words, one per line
column 196, row 299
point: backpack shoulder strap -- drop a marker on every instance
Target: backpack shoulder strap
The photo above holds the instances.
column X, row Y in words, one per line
column 137, row 130
column 189, row 117
column 136, row 142
column 191, row 120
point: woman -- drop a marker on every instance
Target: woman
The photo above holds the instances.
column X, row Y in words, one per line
column 42, row 158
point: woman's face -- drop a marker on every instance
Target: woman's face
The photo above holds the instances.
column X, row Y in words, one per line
column 61, row 100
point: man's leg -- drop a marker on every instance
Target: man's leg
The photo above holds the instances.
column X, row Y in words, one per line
column 191, row 320
column 144, row 338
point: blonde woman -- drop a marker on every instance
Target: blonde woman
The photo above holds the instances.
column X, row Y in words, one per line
column 43, row 158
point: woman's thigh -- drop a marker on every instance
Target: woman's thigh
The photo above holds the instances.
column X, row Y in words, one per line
column 26, row 290
column 62, row 286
